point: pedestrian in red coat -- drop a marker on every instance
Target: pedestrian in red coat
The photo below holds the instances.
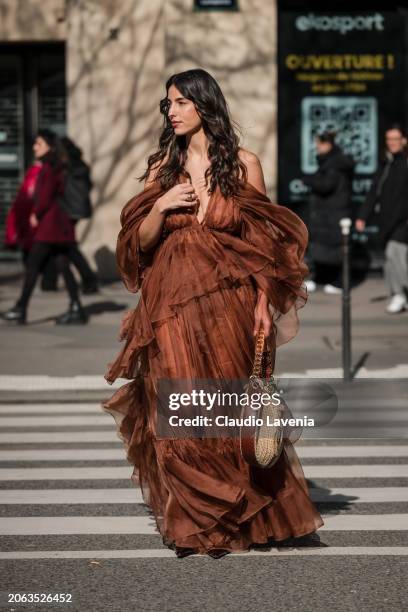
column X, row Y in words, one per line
column 51, row 223
column 54, row 233
column 19, row 232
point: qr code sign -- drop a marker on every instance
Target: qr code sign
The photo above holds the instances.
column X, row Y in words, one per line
column 355, row 121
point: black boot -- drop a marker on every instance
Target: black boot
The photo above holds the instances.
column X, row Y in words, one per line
column 17, row 314
column 75, row 315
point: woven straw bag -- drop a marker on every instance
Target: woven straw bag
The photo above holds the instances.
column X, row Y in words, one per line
column 261, row 445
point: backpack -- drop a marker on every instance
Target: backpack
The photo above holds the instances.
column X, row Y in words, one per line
column 75, row 200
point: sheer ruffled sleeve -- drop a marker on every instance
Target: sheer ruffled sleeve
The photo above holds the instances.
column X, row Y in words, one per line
column 132, row 263
column 278, row 239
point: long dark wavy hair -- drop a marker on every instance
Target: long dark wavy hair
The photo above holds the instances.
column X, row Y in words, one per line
column 53, row 156
column 226, row 169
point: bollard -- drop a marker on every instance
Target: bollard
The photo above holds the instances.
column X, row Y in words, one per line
column 345, row 225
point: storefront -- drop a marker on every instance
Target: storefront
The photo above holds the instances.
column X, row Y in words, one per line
column 288, row 72
column 343, row 71
column 32, row 96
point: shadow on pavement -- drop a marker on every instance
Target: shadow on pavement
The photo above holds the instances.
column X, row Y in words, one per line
column 100, row 307
column 91, row 310
column 360, row 363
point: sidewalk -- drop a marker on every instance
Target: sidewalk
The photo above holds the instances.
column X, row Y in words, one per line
column 379, row 341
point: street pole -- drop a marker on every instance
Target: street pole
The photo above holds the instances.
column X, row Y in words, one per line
column 345, row 225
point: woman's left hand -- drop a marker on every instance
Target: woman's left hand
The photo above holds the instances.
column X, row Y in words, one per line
column 33, row 221
column 262, row 315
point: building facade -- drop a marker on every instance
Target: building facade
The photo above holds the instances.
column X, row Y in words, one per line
column 96, row 69
column 115, row 56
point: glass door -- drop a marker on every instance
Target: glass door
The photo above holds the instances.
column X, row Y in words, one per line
column 11, row 133
column 32, row 96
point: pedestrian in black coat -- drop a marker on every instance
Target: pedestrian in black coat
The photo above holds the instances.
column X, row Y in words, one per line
column 389, row 197
column 330, row 201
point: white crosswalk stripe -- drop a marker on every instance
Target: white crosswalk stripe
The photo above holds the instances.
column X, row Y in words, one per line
column 116, row 454
column 107, row 486
column 49, row 421
column 51, row 525
column 354, row 495
column 98, row 383
column 49, row 408
column 44, row 437
column 122, row 473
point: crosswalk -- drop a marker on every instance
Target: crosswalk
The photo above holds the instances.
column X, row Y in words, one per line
column 66, row 493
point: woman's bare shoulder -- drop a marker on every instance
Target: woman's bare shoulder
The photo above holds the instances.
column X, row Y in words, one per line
column 248, row 156
column 254, row 169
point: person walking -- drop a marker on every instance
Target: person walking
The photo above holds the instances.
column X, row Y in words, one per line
column 330, row 201
column 20, row 233
column 77, row 204
column 214, row 260
column 54, row 234
column 389, row 197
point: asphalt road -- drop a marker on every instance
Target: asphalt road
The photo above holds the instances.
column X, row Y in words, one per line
column 72, row 522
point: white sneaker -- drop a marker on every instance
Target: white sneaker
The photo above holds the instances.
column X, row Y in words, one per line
column 310, row 286
column 397, row 304
column 332, row 290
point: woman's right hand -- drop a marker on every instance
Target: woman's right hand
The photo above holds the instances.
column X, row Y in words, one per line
column 360, row 225
column 181, row 195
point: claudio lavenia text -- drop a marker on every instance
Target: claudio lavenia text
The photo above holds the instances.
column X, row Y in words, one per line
column 248, row 421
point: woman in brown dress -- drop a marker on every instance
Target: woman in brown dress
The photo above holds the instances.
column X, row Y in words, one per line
column 213, row 259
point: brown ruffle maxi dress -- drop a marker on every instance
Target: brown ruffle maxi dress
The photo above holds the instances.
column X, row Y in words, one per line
column 195, row 319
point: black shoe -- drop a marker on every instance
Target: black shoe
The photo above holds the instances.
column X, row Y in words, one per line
column 217, row 553
column 17, row 314
column 90, row 287
column 184, row 552
column 311, row 539
column 75, row 315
